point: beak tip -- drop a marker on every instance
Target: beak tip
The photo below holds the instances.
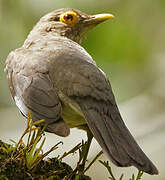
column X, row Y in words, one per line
column 112, row 16
column 108, row 16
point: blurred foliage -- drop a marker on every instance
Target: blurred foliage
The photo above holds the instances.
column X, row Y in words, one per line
column 124, row 47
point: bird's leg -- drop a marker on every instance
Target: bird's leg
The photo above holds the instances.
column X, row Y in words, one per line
column 89, row 140
column 85, row 150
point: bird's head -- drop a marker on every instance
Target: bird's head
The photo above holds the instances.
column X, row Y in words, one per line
column 69, row 23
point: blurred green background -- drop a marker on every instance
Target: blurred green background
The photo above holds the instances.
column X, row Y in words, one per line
column 130, row 49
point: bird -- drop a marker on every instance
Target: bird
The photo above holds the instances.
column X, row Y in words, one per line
column 54, row 78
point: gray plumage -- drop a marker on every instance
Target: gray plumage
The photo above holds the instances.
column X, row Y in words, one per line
column 55, row 79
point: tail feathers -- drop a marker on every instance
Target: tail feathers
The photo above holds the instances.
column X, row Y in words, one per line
column 117, row 142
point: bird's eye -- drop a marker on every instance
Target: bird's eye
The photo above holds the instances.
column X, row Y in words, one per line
column 69, row 18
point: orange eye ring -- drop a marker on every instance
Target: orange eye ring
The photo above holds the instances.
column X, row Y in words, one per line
column 69, row 18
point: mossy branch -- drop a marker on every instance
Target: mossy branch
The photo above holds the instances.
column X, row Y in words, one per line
column 26, row 160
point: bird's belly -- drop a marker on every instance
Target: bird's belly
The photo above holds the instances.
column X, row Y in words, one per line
column 72, row 117
column 71, row 112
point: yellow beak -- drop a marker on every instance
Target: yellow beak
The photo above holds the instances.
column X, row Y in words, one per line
column 102, row 17
column 98, row 18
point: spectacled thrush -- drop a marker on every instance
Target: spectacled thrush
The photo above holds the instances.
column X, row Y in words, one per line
column 53, row 77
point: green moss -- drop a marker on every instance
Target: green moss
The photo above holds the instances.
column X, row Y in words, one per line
column 50, row 169
column 26, row 161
